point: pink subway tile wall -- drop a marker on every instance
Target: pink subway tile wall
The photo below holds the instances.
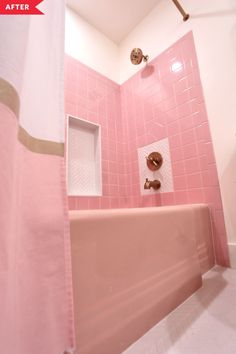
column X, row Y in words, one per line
column 160, row 102
column 164, row 99
column 93, row 97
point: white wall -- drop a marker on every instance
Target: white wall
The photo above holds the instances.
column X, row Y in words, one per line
column 86, row 44
column 213, row 23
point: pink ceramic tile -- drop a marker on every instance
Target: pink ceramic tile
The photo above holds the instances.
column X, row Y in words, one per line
column 105, row 154
column 201, row 148
column 167, row 199
column 195, row 105
column 83, row 202
column 114, row 202
column 123, row 202
column 163, row 66
column 122, row 190
column 210, row 153
column 72, row 203
column 93, row 117
column 161, row 117
column 105, row 166
column 113, row 178
column 156, row 198
column 169, row 104
column 188, row 48
column 203, row 163
column 171, row 115
column 186, row 123
column 200, row 116
column 122, row 179
column 212, row 196
column 94, row 203
column 177, row 154
column 174, row 141
column 105, row 189
column 147, row 111
column 190, row 80
column 105, row 178
column 83, row 103
column 194, row 180
column 114, row 190
column 146, row 201
column 140, row 127
column 192, row 165
column 105, row 203
column 81, row 112
column 178, row 74
column 203, row 132
column 181, row 85
column 213, row 174
column 184, row 110
column 182, row 97
column 81, row 87
column 180, row 183
column 189, row 151
column 113, row 168
column 158, row 109
column 142, row 140
column 172, row 53
column 135, row 178
column 195, row 92
column 188, row 137
column 173, row 128
column 196, row 196
column 70, row 108
column 189, row 65
column 181, row 197
column 71, row 87
column 178, row 168
column 206, row 178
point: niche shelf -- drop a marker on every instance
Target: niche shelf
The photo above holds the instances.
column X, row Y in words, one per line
column 83, row 157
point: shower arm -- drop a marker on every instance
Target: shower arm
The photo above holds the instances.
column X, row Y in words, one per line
column 181, row 10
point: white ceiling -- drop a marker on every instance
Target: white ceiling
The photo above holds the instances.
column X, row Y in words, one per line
column 114, row 18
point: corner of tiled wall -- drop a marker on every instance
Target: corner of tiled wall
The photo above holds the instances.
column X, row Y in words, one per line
column 164, row 100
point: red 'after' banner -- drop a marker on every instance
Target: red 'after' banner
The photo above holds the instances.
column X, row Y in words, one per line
column 20, row 7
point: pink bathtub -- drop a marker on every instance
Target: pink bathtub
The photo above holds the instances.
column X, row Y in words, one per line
column 131, row 267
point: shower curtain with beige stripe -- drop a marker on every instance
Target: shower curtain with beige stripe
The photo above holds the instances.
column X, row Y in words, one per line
column 36, row 314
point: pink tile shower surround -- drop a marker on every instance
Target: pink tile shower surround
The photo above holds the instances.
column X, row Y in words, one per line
column 153, row 104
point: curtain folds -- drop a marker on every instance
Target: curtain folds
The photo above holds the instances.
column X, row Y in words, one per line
column 36, row 303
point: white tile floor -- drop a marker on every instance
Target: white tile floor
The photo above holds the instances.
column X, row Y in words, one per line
column 204, row 324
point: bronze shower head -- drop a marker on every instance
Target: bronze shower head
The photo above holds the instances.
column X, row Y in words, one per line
column 136, row 56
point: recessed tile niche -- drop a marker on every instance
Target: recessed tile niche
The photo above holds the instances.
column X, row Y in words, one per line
column 83, row 157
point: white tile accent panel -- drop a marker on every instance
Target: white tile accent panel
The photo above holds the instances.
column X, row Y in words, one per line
column 164, row 174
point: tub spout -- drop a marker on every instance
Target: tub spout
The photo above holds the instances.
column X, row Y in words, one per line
column 152, row 184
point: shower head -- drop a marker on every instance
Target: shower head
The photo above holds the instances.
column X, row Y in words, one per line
column 136, row 56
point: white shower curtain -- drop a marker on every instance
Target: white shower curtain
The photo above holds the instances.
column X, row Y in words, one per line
column 36, row 306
